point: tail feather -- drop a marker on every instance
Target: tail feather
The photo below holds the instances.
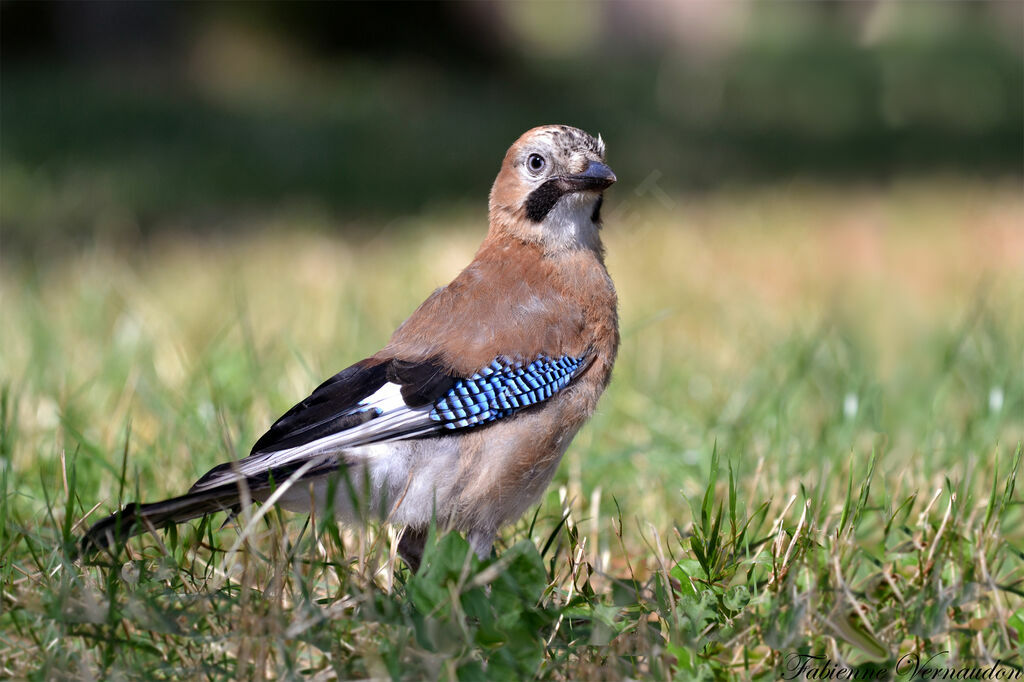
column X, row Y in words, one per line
column 136, row 518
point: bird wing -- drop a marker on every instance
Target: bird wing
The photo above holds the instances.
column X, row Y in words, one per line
column 376, row 401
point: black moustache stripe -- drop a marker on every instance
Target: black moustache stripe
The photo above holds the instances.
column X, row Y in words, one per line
column 543, row 199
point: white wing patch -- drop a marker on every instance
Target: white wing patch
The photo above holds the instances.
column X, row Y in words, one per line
column 394, row 415
column 394, row 420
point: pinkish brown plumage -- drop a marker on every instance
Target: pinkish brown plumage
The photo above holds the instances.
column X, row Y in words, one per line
column 465, row 414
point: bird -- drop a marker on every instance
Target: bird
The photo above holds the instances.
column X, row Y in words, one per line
column 462, row 418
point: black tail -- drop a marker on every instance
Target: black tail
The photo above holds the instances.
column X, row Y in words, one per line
column 137, row 518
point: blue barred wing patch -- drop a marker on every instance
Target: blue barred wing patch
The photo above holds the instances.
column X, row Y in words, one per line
column 502, row 388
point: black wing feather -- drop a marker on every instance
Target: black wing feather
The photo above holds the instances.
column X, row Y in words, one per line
column 327, row 410
column 422, row 382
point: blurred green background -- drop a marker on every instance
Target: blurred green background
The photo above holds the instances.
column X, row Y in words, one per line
column 121, row 120
column 816, row 236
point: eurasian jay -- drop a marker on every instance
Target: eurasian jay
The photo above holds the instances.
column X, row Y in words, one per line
column 465, row 414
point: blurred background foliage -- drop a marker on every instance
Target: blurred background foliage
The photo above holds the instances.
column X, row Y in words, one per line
column 120, row 120
column 817, row 238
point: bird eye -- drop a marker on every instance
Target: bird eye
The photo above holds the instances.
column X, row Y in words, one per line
column 535, row 163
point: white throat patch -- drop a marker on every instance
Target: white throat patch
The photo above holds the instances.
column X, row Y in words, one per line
column 568, row 224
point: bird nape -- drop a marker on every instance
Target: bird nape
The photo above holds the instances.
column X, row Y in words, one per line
column 462, row 418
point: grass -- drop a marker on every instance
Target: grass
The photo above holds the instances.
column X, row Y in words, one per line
column 809, row 448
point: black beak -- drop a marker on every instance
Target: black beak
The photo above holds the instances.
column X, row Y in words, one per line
column 597, row 176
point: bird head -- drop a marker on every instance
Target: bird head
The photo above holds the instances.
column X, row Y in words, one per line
column 549, row 189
